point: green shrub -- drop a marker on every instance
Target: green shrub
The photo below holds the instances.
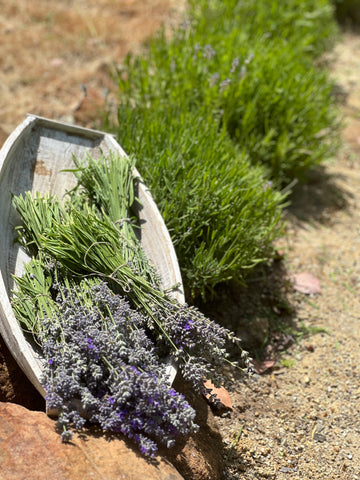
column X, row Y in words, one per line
column 308, row 25
column 222, row 213
column 231, row 100
column 275, row 103
column 281, row 112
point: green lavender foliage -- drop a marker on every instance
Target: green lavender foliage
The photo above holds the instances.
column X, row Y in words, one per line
column 222, row 218
column 107, row 185
column 307, row 24
column 233, row 87
column 32, row 299
column 39, row 213
column 251, row 66
column 86, row 245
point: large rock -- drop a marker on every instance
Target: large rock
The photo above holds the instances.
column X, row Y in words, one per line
column 200, row 456
column 30, row 449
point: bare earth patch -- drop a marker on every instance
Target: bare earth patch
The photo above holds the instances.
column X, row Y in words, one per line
column 298, row 418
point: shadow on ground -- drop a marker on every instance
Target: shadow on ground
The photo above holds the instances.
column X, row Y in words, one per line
column 316, row 200
column 263, row 313
column 260, row 314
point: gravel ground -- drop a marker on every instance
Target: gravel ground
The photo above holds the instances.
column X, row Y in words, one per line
column 299, row 419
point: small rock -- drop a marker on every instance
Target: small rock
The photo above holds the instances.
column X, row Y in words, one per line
column 263, row 366
column 287, row 470
column 319, row 437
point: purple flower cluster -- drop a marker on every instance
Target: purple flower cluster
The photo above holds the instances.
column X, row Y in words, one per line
column 103, row 367
column 201, row 344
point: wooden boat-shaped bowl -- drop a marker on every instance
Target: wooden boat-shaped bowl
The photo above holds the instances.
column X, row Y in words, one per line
column 33, row 159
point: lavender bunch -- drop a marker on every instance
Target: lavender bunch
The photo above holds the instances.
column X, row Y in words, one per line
column 84, row 244
column 201, row 345
column 101, row 365
column 105, row 344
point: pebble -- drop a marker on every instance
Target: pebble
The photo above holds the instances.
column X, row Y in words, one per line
column 287, row 470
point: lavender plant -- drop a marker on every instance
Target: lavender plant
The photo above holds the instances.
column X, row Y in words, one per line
column 253, row 91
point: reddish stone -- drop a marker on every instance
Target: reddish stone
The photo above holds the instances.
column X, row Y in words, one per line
column 306, row 283
column 31, row 449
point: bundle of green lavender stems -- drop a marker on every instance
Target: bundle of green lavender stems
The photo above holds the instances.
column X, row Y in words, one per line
column 92, row 301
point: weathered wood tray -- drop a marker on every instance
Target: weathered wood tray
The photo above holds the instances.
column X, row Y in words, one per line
column 32, row 159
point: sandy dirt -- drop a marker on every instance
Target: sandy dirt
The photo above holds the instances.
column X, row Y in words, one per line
column 298, row 419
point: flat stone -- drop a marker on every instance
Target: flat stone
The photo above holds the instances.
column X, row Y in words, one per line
column 31, row 449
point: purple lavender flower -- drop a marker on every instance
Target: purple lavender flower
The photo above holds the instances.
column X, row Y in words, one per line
column 124, row 387
column 234, row 65
column 224, row 84
column 214, row 79
column 208, row 52
column 66, row 436
column 249, row 58
column 243, row 71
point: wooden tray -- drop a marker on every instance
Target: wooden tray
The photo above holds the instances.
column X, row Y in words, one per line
column 32, row 159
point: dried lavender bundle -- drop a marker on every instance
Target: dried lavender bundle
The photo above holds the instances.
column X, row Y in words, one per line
column 85, row 245
column 101, row 365
column 104, row 357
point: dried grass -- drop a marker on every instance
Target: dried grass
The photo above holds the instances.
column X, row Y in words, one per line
column 48, row 49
